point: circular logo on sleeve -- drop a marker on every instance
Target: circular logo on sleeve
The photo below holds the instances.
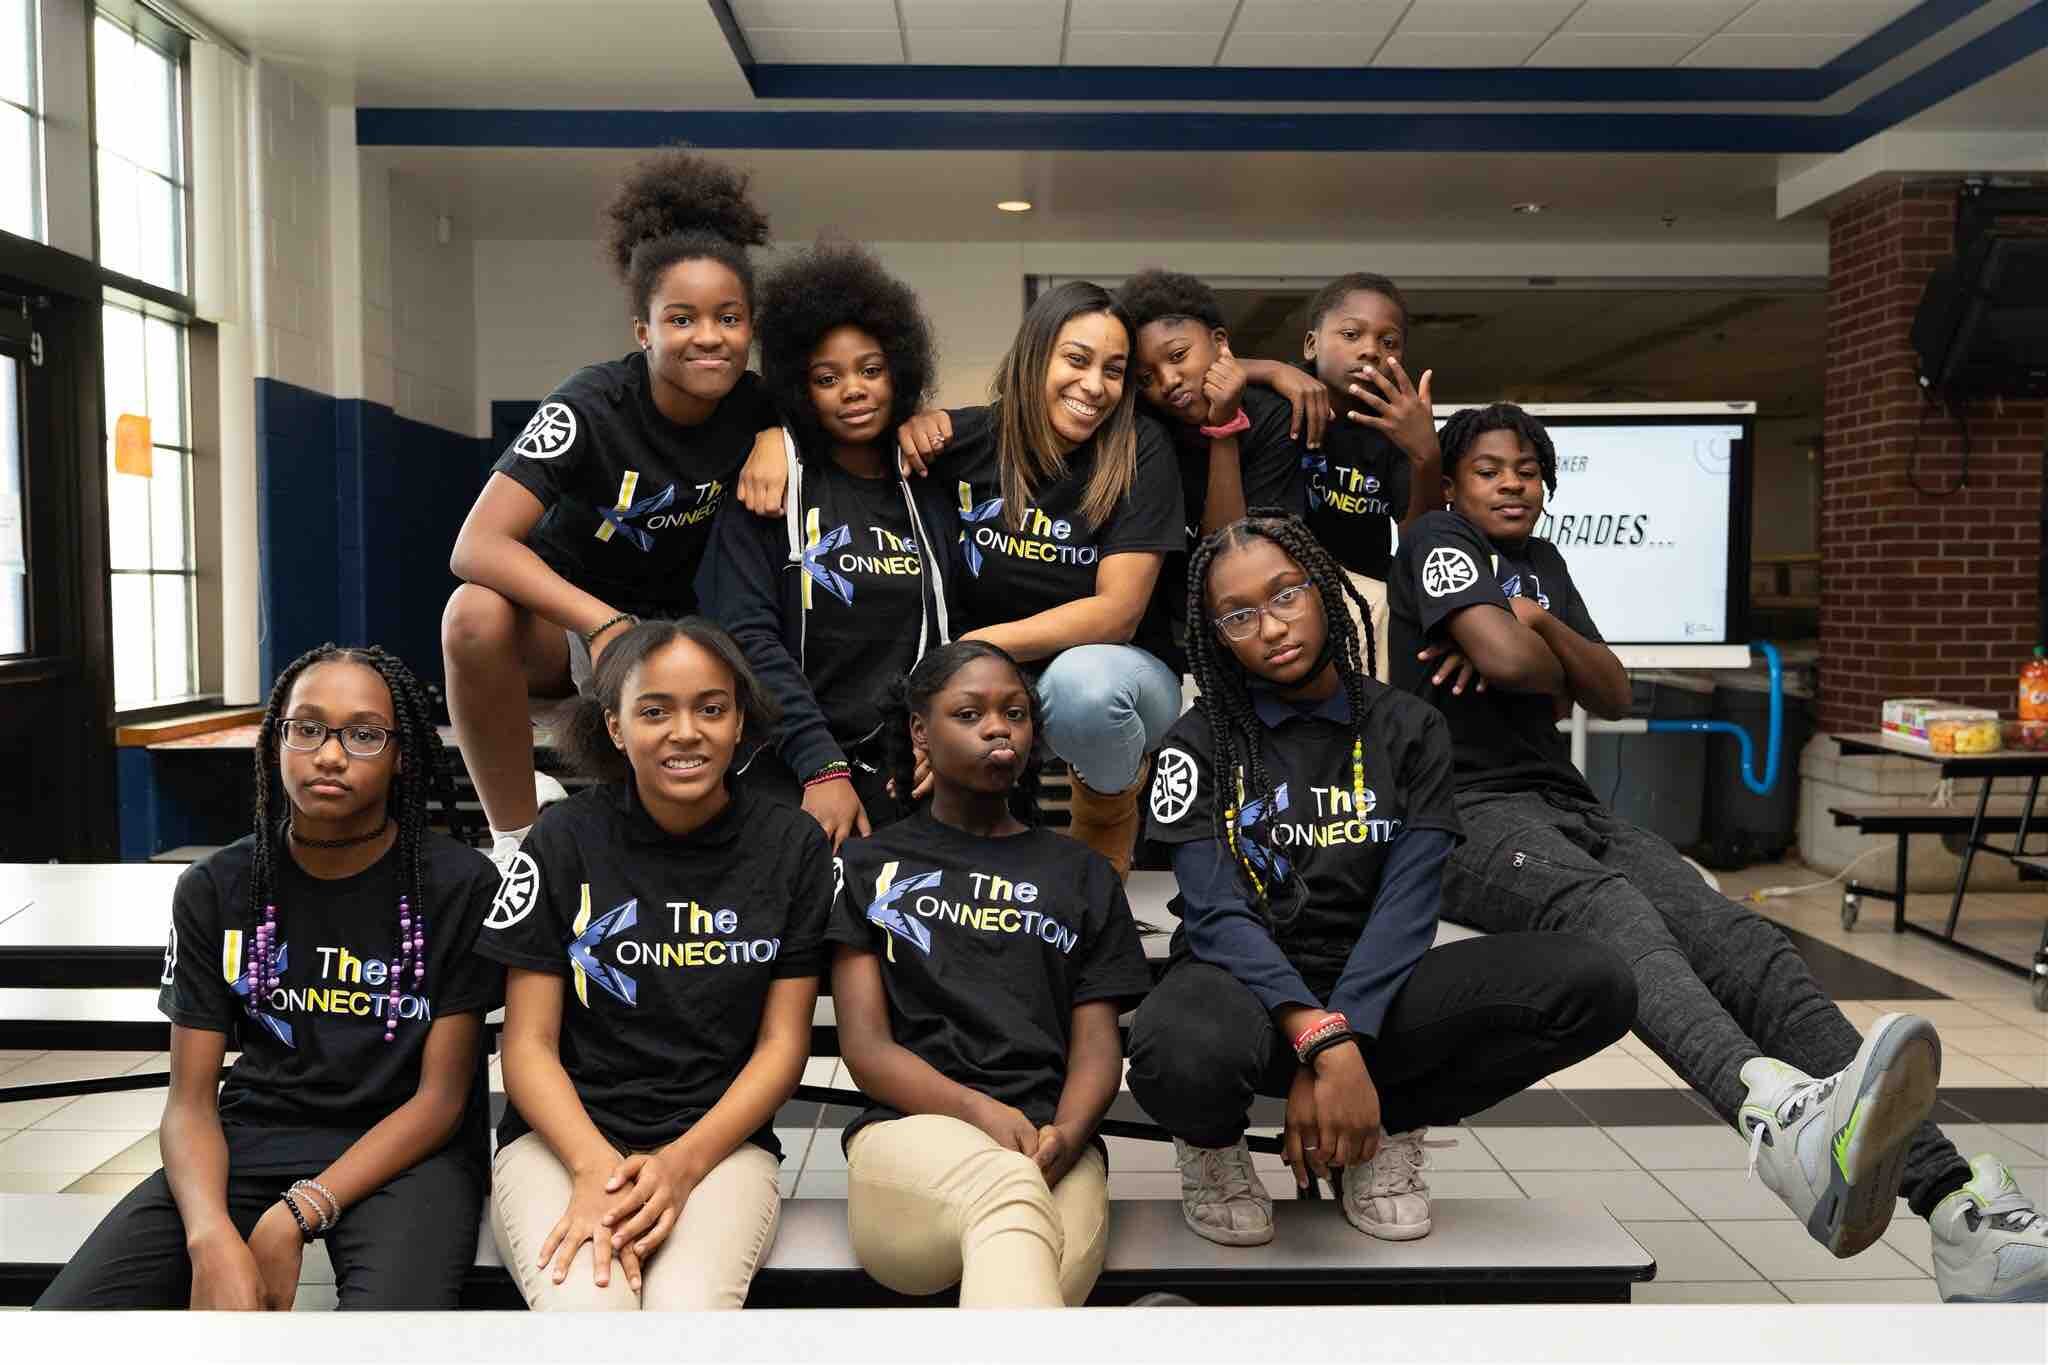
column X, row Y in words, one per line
column 517, row 892
column 1448, row 569
column 1174, row 779
column 550, row 431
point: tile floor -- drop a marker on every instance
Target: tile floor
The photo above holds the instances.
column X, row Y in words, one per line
column 1619, row 1128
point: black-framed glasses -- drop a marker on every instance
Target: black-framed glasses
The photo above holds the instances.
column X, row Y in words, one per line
column 307, row 736
column 1288, row 604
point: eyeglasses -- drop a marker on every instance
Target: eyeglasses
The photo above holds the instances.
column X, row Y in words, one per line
column 308, row 736
column 1288, row 604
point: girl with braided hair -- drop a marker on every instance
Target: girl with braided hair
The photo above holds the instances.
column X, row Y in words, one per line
column 980, row 964
column 332, row 947
column 1310, row 812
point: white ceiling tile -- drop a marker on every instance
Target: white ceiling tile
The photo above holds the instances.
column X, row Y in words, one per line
column 1698, row 17
column 1860, row 17
column 1790, row 50
column 1319, row 16
column 836, row 15
column 1150, row 16
column 985, row 47
column 1485, row 16
column 1141, row 49
column 1614, row 49
column 984, row 14
column 1451, row 49
column 1299, row 49
column 854, row 46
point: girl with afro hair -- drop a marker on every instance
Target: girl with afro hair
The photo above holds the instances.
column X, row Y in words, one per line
column 844, row 590
column 598, row 512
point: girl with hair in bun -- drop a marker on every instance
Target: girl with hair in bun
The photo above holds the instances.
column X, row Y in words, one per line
column 663, row 960
column 844, row 590
column 1068, row 502
column 598, row 512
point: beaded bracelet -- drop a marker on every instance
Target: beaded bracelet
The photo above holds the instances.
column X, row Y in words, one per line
column 590, row 636
column 1322, row 1045
column 331, row 1214
column 1329, row 1026
column 305, row 1228
column 836, row 771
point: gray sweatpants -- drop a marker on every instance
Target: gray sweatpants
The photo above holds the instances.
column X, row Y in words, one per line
column 1716, row 984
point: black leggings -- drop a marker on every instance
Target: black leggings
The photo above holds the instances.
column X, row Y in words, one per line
column 407, row 1246
column 1476, row 1022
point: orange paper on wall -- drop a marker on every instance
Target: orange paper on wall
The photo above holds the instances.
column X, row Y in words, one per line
column 132, row 454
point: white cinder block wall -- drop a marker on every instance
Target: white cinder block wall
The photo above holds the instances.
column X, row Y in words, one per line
column 290, row 233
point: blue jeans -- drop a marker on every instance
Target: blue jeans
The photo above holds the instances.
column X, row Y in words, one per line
column 1106, row 707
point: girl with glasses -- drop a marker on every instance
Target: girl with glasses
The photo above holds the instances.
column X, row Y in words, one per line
column 332, row 948
column 1310, row 812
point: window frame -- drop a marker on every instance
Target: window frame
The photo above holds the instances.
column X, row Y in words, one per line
column 38, row 191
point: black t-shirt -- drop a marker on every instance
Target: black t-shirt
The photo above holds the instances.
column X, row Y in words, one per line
column 1502, row 741
column 1050, row 558
column 315, row 1073
column 670, row 945
column 1357, row 492
column 986, row 947
column 863, row 594
column 1269, row 463
column 629, row 494
column 1319, row 849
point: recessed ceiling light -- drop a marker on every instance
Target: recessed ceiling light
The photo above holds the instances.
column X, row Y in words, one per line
column 1014, row 205
column 1530, row 206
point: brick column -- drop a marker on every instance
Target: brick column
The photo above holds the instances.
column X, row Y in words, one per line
column 1921, row 594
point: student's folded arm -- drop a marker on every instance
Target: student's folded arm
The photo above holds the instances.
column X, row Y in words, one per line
column 535, row 1081
column 491, row 552
column 1223, row 498
column 1095, row 1055
column 1399, row 931
column 1593, row 677
column 1224, row 931
column 1123, row 586
column 885, row 1070
column 739, row 585
column 1509, row 655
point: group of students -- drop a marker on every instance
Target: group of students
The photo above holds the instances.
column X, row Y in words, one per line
column 821, row 640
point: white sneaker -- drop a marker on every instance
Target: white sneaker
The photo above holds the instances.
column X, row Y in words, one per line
column 547, row 791
column 1388, row 1197
column 1221, row 1196
column 503, row 848
column 1834, row 1149
column 1990, row 1246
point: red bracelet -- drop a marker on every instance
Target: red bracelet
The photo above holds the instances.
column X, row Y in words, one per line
column 839, row 775
column 1241, row 422
column 1329, row 1022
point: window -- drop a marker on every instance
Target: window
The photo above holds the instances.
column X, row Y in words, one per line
column 138, row 110
column 149, row 511
column 21, row 207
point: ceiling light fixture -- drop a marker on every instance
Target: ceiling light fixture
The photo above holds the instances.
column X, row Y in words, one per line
column 1530, row 206
column 1014, row 205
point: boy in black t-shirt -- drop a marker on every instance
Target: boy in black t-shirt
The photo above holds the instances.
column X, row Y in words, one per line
column 1309, row 809
column 664, row 938
column 1378, row 466
column 332, row 948
column 1836, row 1123
column 979, row 969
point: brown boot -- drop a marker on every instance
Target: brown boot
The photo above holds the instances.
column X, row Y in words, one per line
column 1108, row 821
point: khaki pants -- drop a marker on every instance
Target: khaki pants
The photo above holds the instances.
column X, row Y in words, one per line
column 1375, row 593
column 709, row 1259
column 931, row 1201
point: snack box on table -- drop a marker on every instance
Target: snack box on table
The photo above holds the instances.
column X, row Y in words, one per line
column 1941, row 727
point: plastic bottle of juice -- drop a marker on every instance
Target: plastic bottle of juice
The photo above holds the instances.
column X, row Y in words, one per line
column 2034, row 686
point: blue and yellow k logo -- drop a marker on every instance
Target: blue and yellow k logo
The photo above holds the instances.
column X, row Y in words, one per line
column 816, row 570
column 583, row 963
column 972, row 515
column 619, row 518
column 884, row 911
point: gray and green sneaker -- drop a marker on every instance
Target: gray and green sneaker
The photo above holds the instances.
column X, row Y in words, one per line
column 1834, row 1149
column 1990, row 1245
